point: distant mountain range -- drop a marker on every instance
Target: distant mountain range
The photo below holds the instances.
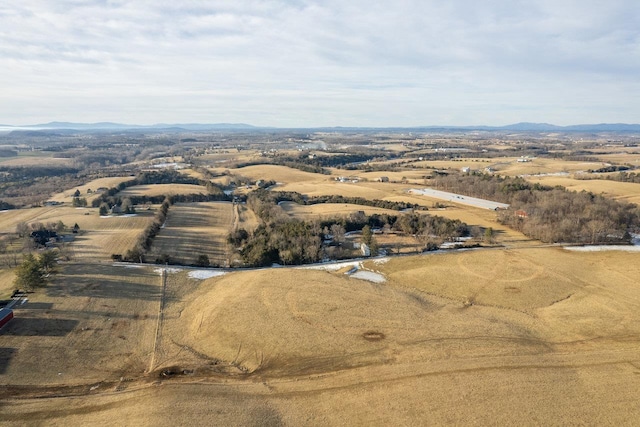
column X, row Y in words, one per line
column 517, row 127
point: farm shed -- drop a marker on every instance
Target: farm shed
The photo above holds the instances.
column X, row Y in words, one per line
column 5, row 315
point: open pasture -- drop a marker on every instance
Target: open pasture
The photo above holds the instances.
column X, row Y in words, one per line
column 99, row 236
column 399, row 176
column 473, row 163
column 368, row 190
column 624, row 158
column 93, row 323
column 622, row 191
column 109, row 182
column 35, row 158
column 194, row 229
column 278, row 173
column 541, row 166
column 545, row 332
column 244, row 218
column 325, row 210
column 152, row 190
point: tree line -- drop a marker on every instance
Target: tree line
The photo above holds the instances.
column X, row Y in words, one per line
column 110, row 197
column 549, row 214
column 145, row 239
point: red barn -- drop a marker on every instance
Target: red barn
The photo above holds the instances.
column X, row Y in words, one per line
column 5, row 315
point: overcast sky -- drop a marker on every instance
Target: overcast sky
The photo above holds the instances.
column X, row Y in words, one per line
column 302, row 63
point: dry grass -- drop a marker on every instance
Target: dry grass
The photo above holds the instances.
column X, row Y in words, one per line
column 622, row 191
column 544, row 166
column 99, row 238
column 67, row 195
column 7, row 277
column 194, row 229
column 93, row 323
column 162, row 190
column 324, row 210
column 246, row 218
column 535, row 336
column 35, row 160
column 278, row 173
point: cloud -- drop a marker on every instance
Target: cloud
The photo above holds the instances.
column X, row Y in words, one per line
column 301, row 63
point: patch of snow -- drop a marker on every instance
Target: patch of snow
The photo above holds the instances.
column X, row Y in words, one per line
column 381, row 260
column 168, row 270
column 128, row 265
column 369, row 276
column 334, row 266
column 602, row 248
column 206, row 274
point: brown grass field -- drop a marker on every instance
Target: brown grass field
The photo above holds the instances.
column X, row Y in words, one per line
column 622, row 191
column 194, row 229
column 162, row 190
column 523, row 334
column 67, row 195
column 278, row 173
column 99, row 237
column 526, row 337
column 245, row 218
column 325, row 210
column 35, row 158
column 93, row 323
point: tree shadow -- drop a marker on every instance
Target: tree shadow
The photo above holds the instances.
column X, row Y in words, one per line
column 6, row 354
column 34, row 306
column 34, row 327
column 99, row 281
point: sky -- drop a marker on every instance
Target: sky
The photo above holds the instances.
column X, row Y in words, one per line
column 299, row 63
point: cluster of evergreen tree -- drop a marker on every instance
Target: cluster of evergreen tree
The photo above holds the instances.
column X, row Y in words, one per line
column 34, row 271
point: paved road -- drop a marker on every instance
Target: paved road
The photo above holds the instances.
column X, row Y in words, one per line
column 458, row 198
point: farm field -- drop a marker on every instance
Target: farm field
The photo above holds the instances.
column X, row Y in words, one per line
column 278, row 173
column 67, row 196
column 94, row 323
column 538, row 166
column 162, row 190
column 194, row 229
column 35, row 159
column 622, row 191
column 508, row 330
column 368, row 190
column 99, row 237
column 245, row 218
column 544, row 332
column 325, row 210
column 409, row 175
